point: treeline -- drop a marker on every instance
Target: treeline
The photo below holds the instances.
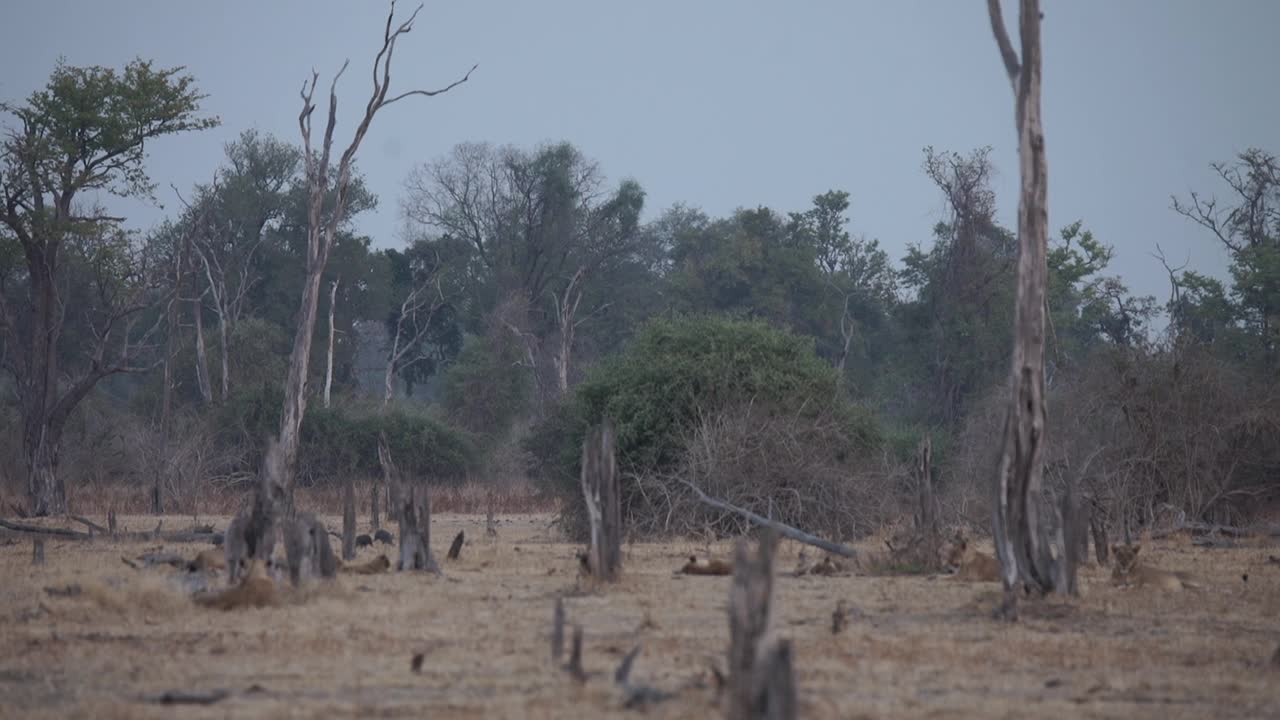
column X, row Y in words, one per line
column 530, row 294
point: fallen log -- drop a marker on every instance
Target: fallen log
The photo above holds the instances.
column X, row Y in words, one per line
column 177, row 536
column 95, row 527
column 37, row 530
column 782, row 528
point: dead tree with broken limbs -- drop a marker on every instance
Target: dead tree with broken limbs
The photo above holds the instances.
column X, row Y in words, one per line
column 1022, row 520
column 328, row 188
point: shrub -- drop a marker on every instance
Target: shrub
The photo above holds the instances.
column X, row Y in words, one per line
column 486, row 388
column 343, row 440
column 680, row 379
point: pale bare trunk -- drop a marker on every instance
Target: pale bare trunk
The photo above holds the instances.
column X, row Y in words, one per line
column 224, row 336
column 328, row 366
column 295, row 388
column 1021, row 534
column 562, row 362
column 388, row 381
column 202, row 356
column 323, row 181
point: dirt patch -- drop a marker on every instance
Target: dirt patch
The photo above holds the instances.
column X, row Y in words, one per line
column 913, row 647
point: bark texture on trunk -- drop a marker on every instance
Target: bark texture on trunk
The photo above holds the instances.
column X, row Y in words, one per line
column 328, row 365
column 601, row 492
column 1023, row 523
column 202, row 353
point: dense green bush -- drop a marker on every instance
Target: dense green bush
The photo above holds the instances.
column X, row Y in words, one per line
column 487, row 387
column 343, row 440
column 678, row 371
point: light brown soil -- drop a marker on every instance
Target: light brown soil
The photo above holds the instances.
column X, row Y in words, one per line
column 914, row 646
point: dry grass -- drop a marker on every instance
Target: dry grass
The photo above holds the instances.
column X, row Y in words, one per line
column 914, row 647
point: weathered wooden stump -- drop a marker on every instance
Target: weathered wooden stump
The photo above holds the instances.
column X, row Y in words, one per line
column 929, row 536
column 37, row 551
column 761, row 674
column 455, row 550
column 415, row 532
column 604, row 507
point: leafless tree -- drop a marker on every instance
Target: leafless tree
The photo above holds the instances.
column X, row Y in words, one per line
column 425, row 299
column 324, row 218
column 1020, row 523
column 328, row 187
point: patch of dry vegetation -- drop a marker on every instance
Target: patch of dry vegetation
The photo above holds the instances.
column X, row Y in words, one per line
column 912, row 646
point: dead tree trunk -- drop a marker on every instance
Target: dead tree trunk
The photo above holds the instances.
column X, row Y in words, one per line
column 328, row 365
column 374, row 518
column 761, row 677
column 600, row 489
column 37, row 551
column 202, row 353
column 170, row 356
column 392, row 475
column 415, row 532
column 328, row 188
column 927, row 528
column 1021, row 534
column 349, row 521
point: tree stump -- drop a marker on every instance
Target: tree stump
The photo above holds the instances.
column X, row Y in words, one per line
column 349, row 521
column 929, row 535
column 111, row 522
column 37, row 551
column 415, row 533
column 604, row 509
column 374, row 492
column 761, row 678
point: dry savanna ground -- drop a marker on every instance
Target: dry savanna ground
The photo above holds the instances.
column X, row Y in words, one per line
column 914, row 646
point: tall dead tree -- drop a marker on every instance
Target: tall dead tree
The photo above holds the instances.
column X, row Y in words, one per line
column 181, row 268
column 390, row 474
column 761, row 675
column 1022, row 520
column 327, row 203
column 419, row 308
column 328, row 363
column 600, row 490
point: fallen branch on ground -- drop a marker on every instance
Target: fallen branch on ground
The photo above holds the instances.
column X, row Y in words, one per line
column 37, row 530
column 177, row 536
column 1201, row 528
column 89, row 524
column 783, row 529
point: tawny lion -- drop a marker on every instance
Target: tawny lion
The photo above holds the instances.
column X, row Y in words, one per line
column 208, row 560
column 711, row 567
column 1128, row 571
column 375, row 566
column 970, row 565
column 256, row 589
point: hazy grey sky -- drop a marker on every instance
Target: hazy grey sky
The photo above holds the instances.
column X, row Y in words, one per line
column 729, row 103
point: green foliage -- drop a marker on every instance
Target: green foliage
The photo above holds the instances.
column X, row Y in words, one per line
column 486, row 389
column 95, row 121
column 676, row 369
column 343, row 440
